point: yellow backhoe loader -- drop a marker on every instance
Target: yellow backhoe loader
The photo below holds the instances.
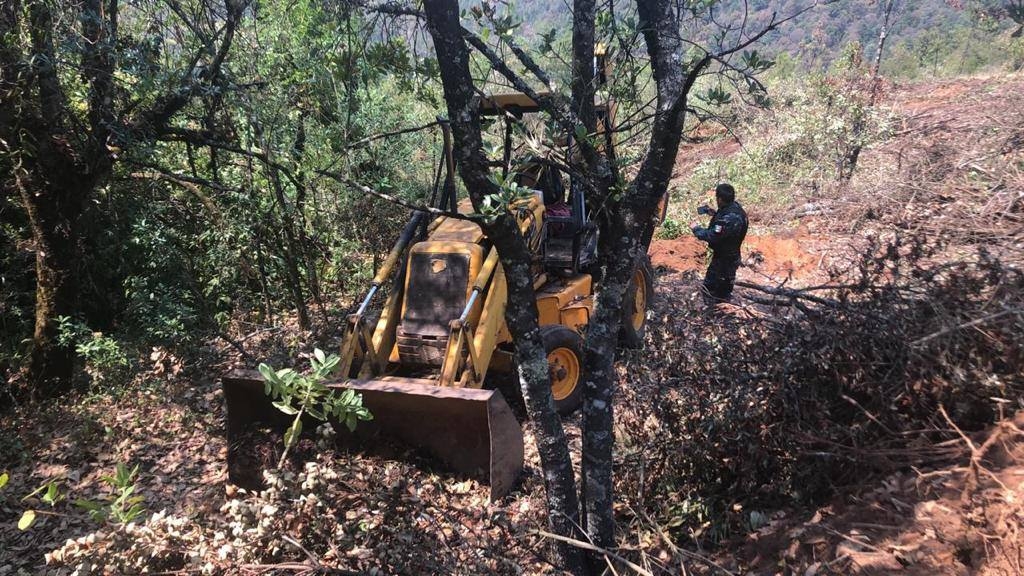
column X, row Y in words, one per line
column 424, row 365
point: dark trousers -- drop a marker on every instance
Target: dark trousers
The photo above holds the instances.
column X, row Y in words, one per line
column 720, row 277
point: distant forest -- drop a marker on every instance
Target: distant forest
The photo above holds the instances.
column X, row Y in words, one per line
column 927, row 37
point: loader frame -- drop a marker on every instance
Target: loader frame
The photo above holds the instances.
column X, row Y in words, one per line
column 437, row 401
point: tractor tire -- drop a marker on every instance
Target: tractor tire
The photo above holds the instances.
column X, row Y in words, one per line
column 564, row 348
column 635, row 304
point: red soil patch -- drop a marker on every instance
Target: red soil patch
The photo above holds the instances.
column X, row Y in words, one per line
column 781, row 255
column 938, row 95
column 681, row 254
column 956, row 520
column 691, row 155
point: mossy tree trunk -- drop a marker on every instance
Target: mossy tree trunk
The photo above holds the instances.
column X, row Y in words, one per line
column 53, row 209
column 56, row 156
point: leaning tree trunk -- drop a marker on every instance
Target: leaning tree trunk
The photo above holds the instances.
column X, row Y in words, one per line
column 521, row 313
column 53, row 209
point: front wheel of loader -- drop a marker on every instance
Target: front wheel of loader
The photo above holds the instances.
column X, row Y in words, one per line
column 564, row 348
column 635, row 305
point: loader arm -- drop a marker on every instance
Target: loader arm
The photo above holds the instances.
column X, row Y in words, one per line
column 420, row 369
column 359, row 343
column 470, row 347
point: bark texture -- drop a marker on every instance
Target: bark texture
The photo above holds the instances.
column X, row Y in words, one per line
column 584, row 82
column 55, row 158
column 521, row 313
column 624, row 223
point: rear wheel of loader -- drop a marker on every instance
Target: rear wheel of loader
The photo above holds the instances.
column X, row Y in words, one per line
column 635, row 305
column 565, row 366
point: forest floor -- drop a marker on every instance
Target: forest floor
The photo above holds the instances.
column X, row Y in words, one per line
column 960, row 513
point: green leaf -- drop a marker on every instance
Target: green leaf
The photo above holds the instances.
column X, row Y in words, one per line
column 268, row 373
column 331, row 363
column 4, row 478
column 27, row 519
column 87, row 505
column 292, row 433
column 319, row 355
column 286, row 408
column 52, row 494
column 122, row 474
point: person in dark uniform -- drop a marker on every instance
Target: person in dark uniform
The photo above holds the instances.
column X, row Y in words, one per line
column 724, row 234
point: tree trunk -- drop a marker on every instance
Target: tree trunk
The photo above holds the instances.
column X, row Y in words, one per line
column 599, row 394
column 626, row 224
column 534, row 380
column 521, row 313
column 630, row 221
column 291, row 251
column 53, row 211
column 57, row 162
column 584, row 84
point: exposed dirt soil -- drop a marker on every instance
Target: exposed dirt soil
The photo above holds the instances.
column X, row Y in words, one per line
column 961, row 518
column 782, row 255
column 711, row 144
column 956, row 520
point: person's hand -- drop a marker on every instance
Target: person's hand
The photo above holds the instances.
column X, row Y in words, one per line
column 694, row 225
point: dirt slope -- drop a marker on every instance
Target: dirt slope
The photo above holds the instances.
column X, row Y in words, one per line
column 963, row 517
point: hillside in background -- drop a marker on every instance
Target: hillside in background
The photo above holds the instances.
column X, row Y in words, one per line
column 927, row 37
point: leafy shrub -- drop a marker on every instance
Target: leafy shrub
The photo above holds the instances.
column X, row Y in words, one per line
column 122, row 505
column 299, row 395
column 104, row 359
column 672, row 229
column 806, row 143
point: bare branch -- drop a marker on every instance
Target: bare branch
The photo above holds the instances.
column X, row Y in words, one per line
column 398, row 201
column 155, row 119
column 364, row 141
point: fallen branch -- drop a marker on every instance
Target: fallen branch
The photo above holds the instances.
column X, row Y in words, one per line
column 977, row 453
column 296, row 568
column 867, row 413
column 237, row 346
column 682, row 552
column 791, row 293
column 970, row 324
column 592, row 548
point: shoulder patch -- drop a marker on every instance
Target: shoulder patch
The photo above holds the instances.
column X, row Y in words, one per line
column 718, row 228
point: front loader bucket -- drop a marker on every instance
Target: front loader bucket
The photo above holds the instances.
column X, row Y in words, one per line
column 471, row 431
